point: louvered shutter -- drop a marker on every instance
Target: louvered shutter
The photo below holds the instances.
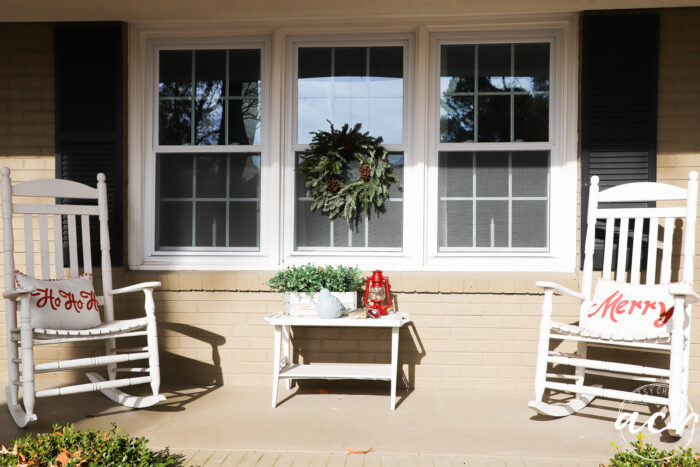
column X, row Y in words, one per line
column 89, row 93
column 618, row 105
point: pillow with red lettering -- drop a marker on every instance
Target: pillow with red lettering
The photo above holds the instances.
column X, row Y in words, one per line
column 61, row 303
column 634, row 310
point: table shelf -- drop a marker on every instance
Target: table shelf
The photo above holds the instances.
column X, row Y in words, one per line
column 372, row 371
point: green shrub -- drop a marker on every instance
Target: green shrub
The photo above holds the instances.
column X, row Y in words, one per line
column 69, row 447
column 645, row 455
column 310, row 279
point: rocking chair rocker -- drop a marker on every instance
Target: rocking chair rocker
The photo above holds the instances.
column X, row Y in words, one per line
column 22, row 338
column 624, row 314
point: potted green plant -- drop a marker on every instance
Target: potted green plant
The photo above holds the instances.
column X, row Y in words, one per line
column 301, row 285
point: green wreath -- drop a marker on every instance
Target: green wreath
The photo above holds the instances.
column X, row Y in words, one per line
column 330, row 170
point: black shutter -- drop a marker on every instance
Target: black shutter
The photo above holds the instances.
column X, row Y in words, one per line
column 620, row 61
column 89, row 93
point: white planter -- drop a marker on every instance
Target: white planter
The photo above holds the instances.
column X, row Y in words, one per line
column 302, row 304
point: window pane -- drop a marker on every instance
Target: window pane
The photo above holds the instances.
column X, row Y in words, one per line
column 491, row 174
column 312, row 227
column 455, row 221
column 350, row 85
column 457, row 119
column 492, row 224
column 175, row 175
column 530, row 173
column 175, row 224
column 456, row 69
column 509, row 202
column 196, row 185
column 455, row 174
column 530, row 224
column 211, row 176
column 531, row 118
column 211, row 224
column 209, row 115
column 531, row 64
column 494, row 67
column 383, row 229
column 245, row 172
column 243, row 121
column 175, row 122
column 494, row 119
column 210, row 71
column 244, row 73
column 175, row 73
column 244, row 220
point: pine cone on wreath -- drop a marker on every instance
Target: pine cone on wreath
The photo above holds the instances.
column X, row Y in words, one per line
column 332, row 185
column 365, row 172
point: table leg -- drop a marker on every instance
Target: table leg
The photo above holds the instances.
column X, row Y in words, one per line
column 286, row 350
column 276, row 363
column 394, row 364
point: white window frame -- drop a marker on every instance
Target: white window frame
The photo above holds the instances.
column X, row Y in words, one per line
column 561, row 252
column 419, row 36
column 409, row 255
column 143, row 100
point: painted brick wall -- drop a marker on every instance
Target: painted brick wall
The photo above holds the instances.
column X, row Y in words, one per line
column 470, row 330
column 26, row 114
column 679, row 120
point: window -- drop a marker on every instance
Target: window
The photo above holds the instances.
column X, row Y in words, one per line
column 205, row 177
column 208, row 199
column 480, row 124
column 497, row 147
column 350, row 84
column 493, row 93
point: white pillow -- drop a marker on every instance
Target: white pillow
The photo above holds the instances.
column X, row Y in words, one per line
column 637, row 310
column 61, row 303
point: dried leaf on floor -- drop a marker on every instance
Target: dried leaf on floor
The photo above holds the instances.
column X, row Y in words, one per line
column 355, row 451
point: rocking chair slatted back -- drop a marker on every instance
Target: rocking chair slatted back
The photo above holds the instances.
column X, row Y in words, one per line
column 57, row 212
column 617, row 226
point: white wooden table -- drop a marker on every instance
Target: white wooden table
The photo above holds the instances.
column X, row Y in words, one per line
column 285, row 369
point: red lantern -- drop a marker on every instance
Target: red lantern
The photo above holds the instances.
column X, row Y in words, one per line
column 376, row 290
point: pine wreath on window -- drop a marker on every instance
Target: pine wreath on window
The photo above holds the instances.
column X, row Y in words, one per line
column 347, row 172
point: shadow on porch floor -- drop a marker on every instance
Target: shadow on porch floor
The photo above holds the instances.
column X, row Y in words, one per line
column 231, row 425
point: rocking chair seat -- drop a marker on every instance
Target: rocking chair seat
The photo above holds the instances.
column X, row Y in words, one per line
column 116, row 326
column 597, row 337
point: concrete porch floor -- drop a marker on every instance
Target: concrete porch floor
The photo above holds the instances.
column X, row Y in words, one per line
column 214, row 426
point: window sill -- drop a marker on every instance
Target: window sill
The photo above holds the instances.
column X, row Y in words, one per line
column 443, row 282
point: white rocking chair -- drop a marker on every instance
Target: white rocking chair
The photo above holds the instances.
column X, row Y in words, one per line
column 26, row 337
column 618, row 328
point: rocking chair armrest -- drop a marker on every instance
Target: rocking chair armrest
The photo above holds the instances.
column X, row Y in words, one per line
column 559, row 289
column 135, row 288
column 15, row 294
column 685, row 291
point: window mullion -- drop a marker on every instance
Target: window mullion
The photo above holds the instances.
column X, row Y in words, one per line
column 193, row 123
column 474, row 200
column 476, row 96
column 194, row 200
column 510, row 199
column 512, row 96
column 226, row 110
column 228, row 201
